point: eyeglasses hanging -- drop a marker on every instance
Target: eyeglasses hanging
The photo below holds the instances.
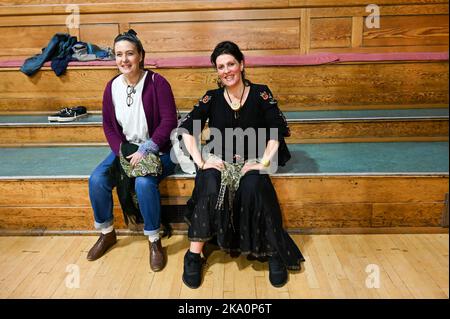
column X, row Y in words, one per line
column 130, row 90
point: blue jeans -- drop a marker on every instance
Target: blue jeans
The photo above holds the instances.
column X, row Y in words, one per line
column 147, row 191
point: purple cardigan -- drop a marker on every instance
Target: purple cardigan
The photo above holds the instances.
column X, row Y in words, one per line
column 159, row 108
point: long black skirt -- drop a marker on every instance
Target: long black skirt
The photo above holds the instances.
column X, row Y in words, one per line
column 252, row 226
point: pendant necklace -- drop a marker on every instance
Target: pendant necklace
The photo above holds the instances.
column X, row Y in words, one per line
column 235, row 105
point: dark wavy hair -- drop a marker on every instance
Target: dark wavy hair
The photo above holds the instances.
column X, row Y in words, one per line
column 228, row 47
column 131, row 36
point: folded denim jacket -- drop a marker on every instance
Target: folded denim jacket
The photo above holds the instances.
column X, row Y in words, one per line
column 149, row 165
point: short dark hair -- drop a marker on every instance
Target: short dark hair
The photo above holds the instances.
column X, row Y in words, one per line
column 228, row 47
column 131, row 36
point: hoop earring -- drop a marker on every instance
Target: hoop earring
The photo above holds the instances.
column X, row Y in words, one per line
column 219, row 82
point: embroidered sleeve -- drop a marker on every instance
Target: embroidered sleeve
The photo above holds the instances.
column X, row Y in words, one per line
column 196, row 119
column 273, row 116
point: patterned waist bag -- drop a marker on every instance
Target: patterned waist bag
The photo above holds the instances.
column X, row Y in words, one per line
column 230, row 178
column 149, row 165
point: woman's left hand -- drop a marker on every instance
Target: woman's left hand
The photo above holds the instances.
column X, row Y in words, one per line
column 135, row 158
column 251, row 166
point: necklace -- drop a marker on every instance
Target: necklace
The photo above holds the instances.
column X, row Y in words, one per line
column 131, row 90
column 235, row 105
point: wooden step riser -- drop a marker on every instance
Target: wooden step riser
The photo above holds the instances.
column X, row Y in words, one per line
column 320, row 87
column 171, row 8
column 358, row 215
column 311, row 202
column 414, row 130
column 51, row 134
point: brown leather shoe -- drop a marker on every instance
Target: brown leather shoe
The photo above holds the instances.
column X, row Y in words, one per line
column 158, row 258
column 102, row 245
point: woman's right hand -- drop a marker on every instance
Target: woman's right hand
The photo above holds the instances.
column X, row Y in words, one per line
column 213, row 163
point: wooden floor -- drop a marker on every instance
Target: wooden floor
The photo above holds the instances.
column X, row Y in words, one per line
column 409, row 265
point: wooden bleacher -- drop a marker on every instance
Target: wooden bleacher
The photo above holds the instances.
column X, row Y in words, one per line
column 306, row 127
column 395, row 108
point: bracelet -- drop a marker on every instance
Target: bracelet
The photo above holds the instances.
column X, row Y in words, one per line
column 265, row 163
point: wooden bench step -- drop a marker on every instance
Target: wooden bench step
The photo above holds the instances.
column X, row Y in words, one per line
column 291, row 116
column 331, row 158
column 349, row 185
column 306, row 127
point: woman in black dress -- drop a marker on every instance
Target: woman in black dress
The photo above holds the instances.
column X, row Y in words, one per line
column 234, row 202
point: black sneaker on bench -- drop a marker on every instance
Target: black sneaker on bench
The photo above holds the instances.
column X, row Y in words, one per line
column 69, row 114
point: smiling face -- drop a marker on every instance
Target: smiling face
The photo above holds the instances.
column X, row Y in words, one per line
column 229, row 70
column 127, row 57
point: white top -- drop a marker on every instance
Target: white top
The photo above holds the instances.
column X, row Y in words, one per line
column 131, row 118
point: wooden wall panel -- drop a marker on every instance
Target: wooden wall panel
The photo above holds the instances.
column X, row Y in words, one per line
column 272, row 29
column 337, row 217
column 290, row 190
column 354, row 85
column 331, row 32
column 62, row 218
column 53, row 193
column 67, row 2
column 403, row 28
column 155, row 17
column 179, row 28
column 190, row 3
column 34, row 20
column 118, row 6
column 306, row 202
column 202, row 36
column 369, row 131
column 100, row 34
column 52, row 135
column 355, row 189
column 303, row 132
column 321, row 87
column 343, row 3
column 406, row 214
column 362, row 215
column 104, row 6
column 19, row 40
column 47, row 92
column 408, row 31
column 331, row 215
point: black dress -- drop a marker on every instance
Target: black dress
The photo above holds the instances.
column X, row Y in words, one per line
column 253, row 224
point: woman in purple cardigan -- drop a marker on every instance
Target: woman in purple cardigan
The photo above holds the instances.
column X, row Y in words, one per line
column 138, row 108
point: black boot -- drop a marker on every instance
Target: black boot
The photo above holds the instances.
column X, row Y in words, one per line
column 209, row 247
column 278, row 274
column 192, row 274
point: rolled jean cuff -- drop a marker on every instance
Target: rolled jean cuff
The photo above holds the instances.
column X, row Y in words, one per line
column 151, row 232
column 104, row 224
